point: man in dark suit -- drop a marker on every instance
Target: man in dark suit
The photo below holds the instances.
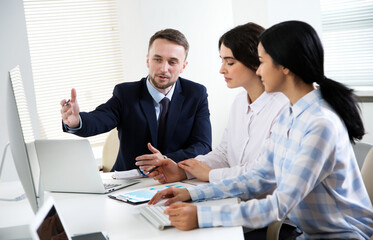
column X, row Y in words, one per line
column 162, row 115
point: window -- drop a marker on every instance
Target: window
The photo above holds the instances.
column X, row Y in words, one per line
column 73, row 43
column 347, row 37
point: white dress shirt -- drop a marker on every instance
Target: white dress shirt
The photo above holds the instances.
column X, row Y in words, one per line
column 249, row 126
column 158, row 96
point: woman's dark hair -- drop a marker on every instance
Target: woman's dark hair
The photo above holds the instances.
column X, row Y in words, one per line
column 296, row 46
column 243, row 42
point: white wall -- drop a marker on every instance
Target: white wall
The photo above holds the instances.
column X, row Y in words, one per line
column 269, row 12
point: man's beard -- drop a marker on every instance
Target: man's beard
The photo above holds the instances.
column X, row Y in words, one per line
column 159, row 86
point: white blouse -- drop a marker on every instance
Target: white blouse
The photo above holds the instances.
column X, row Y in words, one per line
column 249, row 126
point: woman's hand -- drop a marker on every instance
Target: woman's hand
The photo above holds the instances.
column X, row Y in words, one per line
column 174, row 195
column 197, row 168
column 183, row 216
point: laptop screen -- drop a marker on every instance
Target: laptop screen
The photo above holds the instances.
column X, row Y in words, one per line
column 51, row 227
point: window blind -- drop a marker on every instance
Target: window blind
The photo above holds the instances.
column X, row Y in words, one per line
column 73, row 44
column 347, row 32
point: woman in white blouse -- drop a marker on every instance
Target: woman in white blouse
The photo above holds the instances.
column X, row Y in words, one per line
column 252, row 115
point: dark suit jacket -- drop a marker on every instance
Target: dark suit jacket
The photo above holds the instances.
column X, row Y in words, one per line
column 131, row 110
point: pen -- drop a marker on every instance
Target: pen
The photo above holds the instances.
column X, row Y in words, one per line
column 142, row 173
column 67, row 102
column 151, row 170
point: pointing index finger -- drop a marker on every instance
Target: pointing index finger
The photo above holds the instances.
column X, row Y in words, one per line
column 73, row 95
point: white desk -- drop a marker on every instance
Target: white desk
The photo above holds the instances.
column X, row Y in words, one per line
column 15, row 216
column 85, row 213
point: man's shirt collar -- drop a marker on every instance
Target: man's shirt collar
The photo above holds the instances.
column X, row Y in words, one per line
column 156, row 95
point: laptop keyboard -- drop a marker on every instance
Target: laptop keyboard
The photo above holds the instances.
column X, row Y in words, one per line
column 154, row 214
column 110, row 185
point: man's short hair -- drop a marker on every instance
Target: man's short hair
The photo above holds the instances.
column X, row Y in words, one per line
column 171, row 35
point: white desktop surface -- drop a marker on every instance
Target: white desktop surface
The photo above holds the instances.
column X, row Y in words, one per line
column 14, row 213
column 83, row 213
column 15, row 216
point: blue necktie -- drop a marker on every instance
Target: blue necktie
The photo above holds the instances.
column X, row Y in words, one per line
column 162, row 123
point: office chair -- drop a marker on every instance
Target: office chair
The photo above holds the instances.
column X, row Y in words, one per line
column 365, row 151
column 361, row 150
column 366, row 172
column 110, row 150
column 273, row 230
column 367, row 176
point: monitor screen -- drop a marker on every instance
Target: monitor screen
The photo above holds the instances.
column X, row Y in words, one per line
column 18, row 148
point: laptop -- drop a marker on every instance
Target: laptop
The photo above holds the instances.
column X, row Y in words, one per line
column 69, row 166
column 48, row 224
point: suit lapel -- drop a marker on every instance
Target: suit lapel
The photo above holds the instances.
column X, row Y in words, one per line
column 174, row 111
column 146, row 102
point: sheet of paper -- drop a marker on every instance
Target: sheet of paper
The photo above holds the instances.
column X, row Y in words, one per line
column 130, row 174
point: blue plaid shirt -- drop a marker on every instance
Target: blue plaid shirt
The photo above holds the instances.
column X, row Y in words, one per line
column 310, row 164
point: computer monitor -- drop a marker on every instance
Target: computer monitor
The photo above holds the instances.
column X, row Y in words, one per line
column 18, row 148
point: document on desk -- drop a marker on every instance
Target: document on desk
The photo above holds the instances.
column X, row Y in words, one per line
column 130, row 174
